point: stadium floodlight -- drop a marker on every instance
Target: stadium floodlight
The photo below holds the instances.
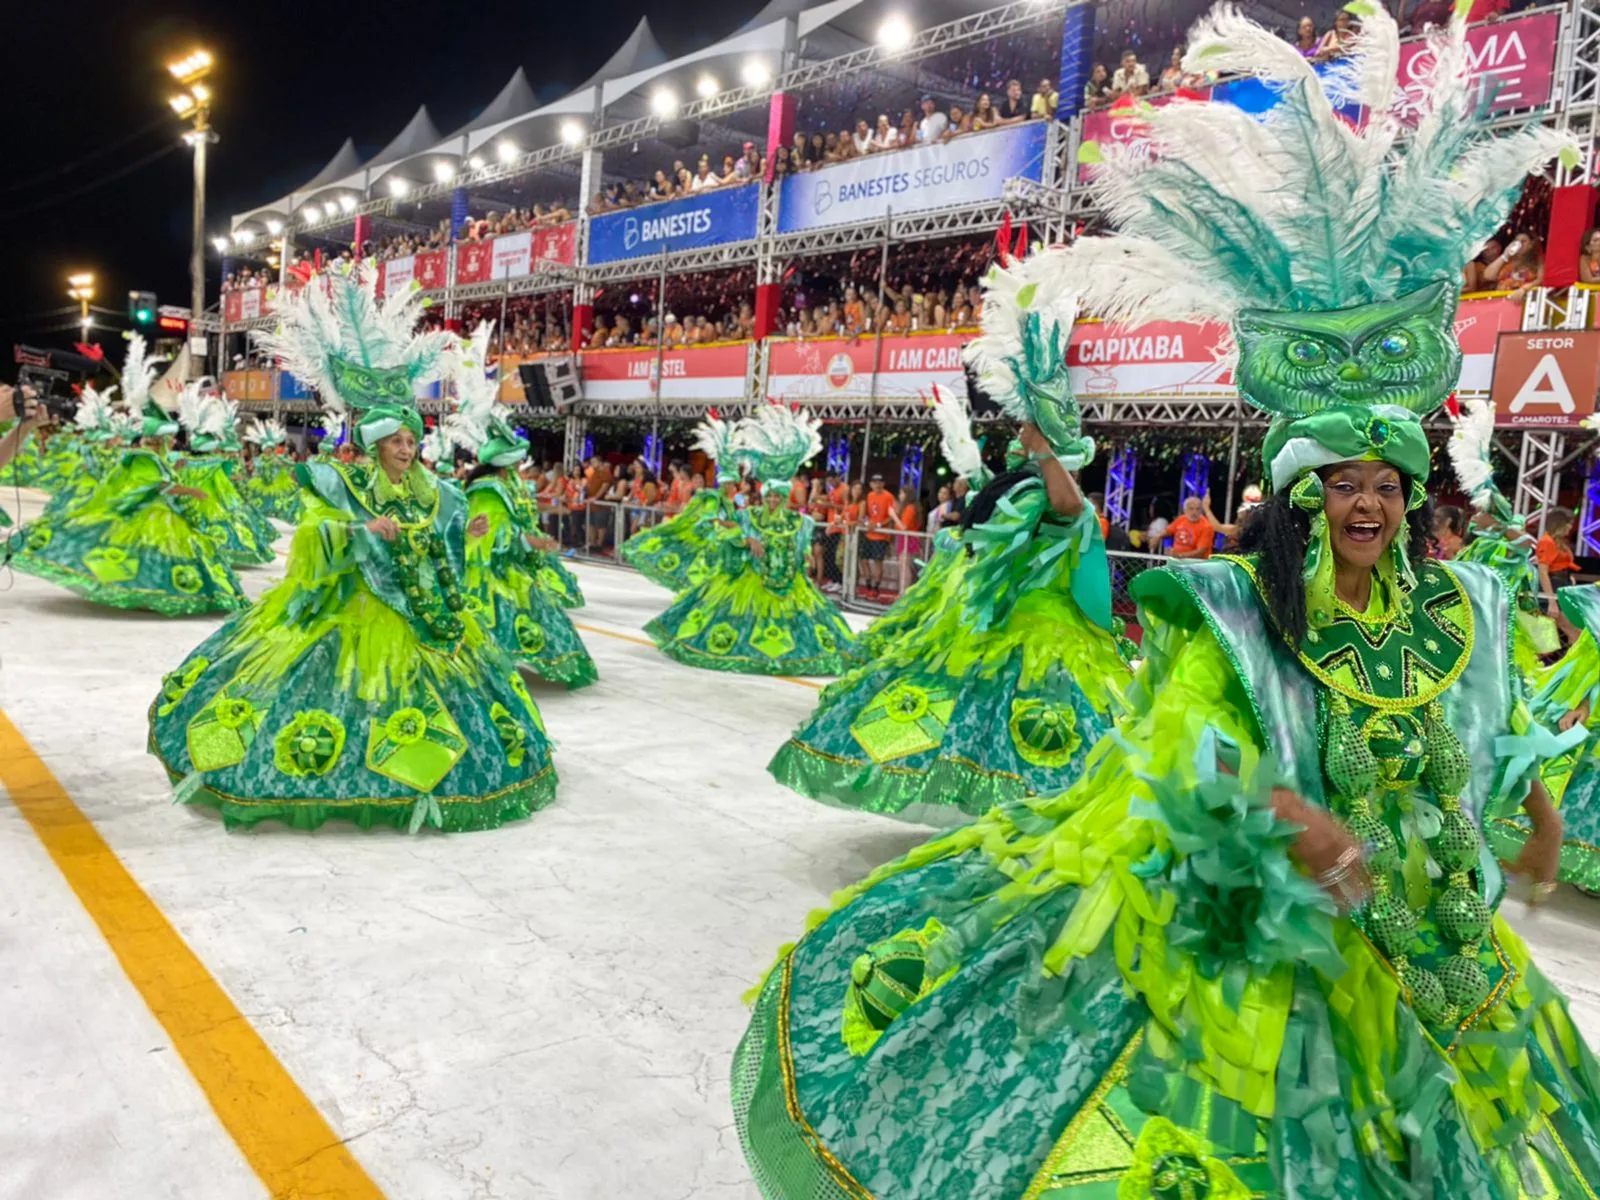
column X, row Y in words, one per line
column 664, row 102
column 274, row 226
column 507, row 150
column 330, row 210
column 398, row 186
column 571, row 132
column 194, row 65
column 243, row 238
column 706, row 87
column 443, row 172
column 475, row 163
column 347, row 202
column 221, row 243
column 183, row 104
column 756, row 73
column 894, row 33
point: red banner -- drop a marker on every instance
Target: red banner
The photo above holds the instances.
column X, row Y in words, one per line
column 246, row 304
column 700, row 373
column 473, row 262
column 1513, row 62
column 429, row 269
column 1167, row 358
column 556, row 244
column 231, row 303
column 907, row 366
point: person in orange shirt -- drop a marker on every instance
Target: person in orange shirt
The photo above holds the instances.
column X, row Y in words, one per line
column 855, row 313
column 908, row 519
column 799, row 492
column 835, row 498
column 1557, row 567
column 1192, row 535
column 880, row 512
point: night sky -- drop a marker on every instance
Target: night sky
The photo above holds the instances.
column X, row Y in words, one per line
column 291, row 83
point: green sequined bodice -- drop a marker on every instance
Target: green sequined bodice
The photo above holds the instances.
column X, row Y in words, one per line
column 776, row 529
column 1395, row 771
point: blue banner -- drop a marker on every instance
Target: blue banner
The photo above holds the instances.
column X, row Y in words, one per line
column 707, row 218
column 970, row 169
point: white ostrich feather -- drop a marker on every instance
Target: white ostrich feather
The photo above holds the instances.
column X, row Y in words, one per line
column 94, row 410
column 191, row 409
column 434, row 445
column 333, row 420
column 953, row 414
column 476, row 392
column 713, row 437
column 777, row 441
column 138, row 373
column 1472, row 451
column 266, row 433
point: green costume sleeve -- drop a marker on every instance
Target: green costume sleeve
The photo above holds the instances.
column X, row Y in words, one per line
column 1025, row 545
column 503, row 536
column 1175, row 856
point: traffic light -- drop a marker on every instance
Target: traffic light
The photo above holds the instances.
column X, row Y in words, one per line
column 142, row 307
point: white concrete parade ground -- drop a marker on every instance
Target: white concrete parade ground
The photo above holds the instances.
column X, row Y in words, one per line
column 540, row 1012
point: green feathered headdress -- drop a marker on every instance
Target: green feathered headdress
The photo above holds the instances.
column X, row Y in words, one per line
column 1021, row 358
column 362, row 354
column 714, row 438
column 1334, row 253
column 776, row 441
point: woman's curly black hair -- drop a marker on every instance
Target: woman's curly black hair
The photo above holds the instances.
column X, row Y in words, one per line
column 1277, row 532
column 480, row 471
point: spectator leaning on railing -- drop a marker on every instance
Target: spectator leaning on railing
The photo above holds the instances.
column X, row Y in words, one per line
column 1130, row 79
column 934, row 124
column 1589, row 258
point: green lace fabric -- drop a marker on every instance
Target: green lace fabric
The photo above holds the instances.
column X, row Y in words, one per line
column 244, row 535
column 337, row 697
column 997, row 694
column 756, row 614
column 673, row 553
column 1572, row 776
column 505, row 593
column 129, row 544
column 1132, row 992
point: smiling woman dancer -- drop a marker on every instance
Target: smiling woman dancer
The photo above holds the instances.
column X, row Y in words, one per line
column 1254, row 952
column 359, row 687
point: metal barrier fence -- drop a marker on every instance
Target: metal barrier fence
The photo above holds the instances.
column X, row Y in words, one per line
column 859, row 572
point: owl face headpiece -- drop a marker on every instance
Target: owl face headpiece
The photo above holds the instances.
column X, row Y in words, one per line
column 362, row 354
column 1334, row 253
column 776, row 441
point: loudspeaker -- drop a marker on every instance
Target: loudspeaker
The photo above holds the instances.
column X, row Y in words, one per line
column 534, row 389
column 551, row 383
column 679, row 134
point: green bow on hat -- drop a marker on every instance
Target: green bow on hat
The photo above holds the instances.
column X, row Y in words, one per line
column 503, row 447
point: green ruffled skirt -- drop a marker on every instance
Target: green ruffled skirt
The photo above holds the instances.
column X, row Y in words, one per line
column 995, row 1080
column 151, row 559
column 529, row 625
column 671, row 554
column 950, row 722
column 245, row 536
column 558, row 582
column 920, row 603
column 351, row 717
column 740, row 624
column 1574, row 780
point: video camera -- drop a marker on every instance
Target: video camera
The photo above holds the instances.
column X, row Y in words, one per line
column 49, row 374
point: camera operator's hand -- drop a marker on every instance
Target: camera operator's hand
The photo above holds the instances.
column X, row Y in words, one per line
column 27, row 411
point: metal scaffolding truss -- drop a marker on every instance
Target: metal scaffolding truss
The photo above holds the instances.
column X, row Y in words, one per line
column 708, row 258
column 557, row 279
column 1539, row 472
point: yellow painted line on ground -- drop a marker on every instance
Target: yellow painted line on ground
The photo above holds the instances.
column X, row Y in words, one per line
column 639, row 641
column 278, row 1130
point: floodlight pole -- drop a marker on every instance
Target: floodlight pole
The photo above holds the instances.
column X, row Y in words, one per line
column 198, row 138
